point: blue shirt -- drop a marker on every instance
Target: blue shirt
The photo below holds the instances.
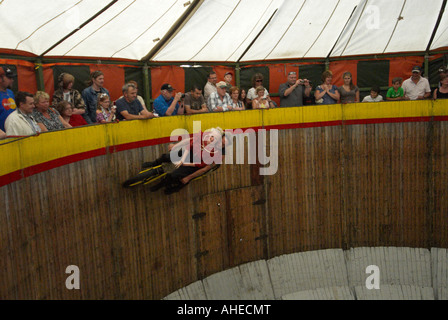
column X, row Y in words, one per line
column 161, row 106
column 90, row 98
column 327, row 99
column 7, row 106
column 134, row 107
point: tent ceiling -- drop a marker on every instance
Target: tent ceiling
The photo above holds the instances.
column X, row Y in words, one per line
column 221, row 30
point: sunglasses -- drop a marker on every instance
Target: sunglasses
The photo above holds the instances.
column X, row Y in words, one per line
column 258, row 80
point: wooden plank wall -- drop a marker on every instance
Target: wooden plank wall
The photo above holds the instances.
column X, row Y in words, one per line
column 336, row 187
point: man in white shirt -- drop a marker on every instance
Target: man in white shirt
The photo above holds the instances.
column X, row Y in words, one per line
column 20, row 122
column 416, row 87
column 210, row 87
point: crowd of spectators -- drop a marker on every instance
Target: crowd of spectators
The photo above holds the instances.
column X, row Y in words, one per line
column 26, row 114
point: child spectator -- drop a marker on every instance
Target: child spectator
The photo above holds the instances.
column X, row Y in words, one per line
column 104, row 111
column 374, row 95
column 396, row 92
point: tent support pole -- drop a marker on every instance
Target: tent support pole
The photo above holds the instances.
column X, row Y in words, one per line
column 146, row 86
column 39, row 75
column 238, row 75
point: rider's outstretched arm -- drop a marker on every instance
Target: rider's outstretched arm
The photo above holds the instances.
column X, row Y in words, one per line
column 197, row 173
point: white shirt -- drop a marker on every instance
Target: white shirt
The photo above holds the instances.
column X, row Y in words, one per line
column 252, row 94
column 18, row 124
column 413, row 91
column 379, row 98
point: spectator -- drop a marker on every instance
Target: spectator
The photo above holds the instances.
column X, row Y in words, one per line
column 65, row 92
column 257, row 80
column 443, row 71
column 220, row 100
column 210, row 86
column 104, row 112
column 374, row 96
column 416, row 87
column 65, row 109
column 243, row 98
column 194, row 101
column 7, row 102
column 396, row 92
column 128, row 107
column 442, row 92
column 349, row 93
column 237, row 104
column 262, row 101
column 139, row 98
column 327, row 93
column 228, row 80
column 47, row 118
column 21, row 121
column 166, row 104
column 293, row 91
column 91, row 93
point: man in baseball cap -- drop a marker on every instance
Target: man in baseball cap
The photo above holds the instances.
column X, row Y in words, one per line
column 7, row 99
column 166, row 104
column 416, row 87
column 220, row 100
column 8, row 72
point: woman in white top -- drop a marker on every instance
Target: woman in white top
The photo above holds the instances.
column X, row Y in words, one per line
column 257, row 81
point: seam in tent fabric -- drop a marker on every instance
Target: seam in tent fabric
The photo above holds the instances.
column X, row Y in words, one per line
column 79, row 28
column 98, row 29
column 211, row 38
column 300, row 10
column 47, row 22
column 249, row 33
column 342, row 32
column 323, row 29
column 147, row 29
column 354, row 29
column 396, row 24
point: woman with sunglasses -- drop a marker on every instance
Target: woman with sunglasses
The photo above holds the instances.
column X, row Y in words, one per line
column 257, row 81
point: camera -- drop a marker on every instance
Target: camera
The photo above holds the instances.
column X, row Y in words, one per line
column 183, row 95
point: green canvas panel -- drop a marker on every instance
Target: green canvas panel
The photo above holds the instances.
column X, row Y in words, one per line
column 196, row 76
column 135, row 74
column 312, row 72
column 81, row 74
column 246, row 75
column 373, row 73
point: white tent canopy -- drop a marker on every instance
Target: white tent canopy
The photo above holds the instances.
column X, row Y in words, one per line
column 221, row 30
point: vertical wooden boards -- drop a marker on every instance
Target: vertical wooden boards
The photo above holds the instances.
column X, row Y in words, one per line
column 440, row 185
column 338, row 186
column 305, row 195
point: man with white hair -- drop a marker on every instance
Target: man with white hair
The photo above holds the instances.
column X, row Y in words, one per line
column 211, row 143
column 220, row 100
